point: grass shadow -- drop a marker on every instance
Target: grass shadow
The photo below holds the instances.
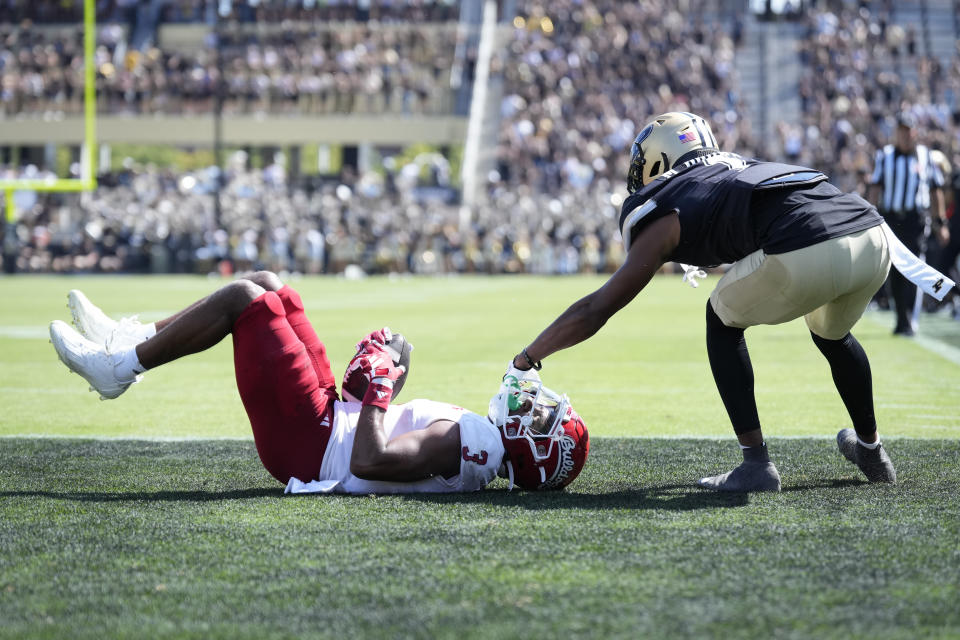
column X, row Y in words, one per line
column 825, row 484
column 669, row 497
column 673, row 497
column 156, row 496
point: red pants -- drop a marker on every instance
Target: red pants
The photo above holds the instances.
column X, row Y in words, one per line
column 285, row 382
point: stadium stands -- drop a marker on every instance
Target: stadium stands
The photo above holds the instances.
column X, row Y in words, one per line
column 859, row 69
column 184, row 11
column 278, row 71
column 576, row 78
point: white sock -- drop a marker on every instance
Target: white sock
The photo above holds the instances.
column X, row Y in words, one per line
column 132, row 328
column 127, row 365
column 146, row 331
column 869, row 445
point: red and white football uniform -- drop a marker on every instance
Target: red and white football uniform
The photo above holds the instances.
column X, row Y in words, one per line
column 285, row 383
column 481, row 448
column 303, row 432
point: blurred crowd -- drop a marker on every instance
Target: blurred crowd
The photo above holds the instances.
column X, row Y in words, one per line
column 582, row 78
column 65, row 11
column 151, row 220
column 293, row 68
column 860, row 69
column 579, row 78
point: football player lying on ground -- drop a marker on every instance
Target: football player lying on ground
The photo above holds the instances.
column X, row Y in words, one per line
column 798, row 247
column 305, row 436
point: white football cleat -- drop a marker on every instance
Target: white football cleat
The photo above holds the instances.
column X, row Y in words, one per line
column 89, row 320
column 99, row 328
column 88, row 359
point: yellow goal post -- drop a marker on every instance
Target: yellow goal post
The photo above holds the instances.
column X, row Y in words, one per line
column 88, row 179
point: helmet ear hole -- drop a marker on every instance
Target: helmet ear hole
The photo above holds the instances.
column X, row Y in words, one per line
column 655, row 169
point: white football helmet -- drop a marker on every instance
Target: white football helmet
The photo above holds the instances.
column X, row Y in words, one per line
column 662, row 142
column 545, row 440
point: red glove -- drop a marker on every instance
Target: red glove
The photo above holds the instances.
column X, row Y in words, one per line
column 380, row 390
column 380, row 336
column 360, row 371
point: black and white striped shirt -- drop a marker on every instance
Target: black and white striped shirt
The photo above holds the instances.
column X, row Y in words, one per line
column 906, row 179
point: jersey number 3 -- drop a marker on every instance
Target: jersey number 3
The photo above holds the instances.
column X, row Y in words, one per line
column 479, row 458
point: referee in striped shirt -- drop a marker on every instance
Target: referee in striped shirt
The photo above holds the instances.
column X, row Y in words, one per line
column 906, row 187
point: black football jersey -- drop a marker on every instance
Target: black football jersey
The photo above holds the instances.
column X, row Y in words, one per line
column 730, row 207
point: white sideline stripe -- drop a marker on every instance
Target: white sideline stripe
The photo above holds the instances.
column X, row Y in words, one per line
column 24, row 333
column 58, row 436
column 54, row 436
column 946, row 351
column 942, row 349
column 145, row 316
column 34, row 332
column 732, row 439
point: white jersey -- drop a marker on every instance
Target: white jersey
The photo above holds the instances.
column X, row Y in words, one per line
column 481, row 449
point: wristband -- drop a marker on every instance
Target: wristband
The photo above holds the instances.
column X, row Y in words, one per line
column 535, row 365
column 379, row 392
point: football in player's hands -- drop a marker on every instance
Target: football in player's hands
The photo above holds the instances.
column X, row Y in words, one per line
column 380, row 336
column 380, row 390
column 370, row 351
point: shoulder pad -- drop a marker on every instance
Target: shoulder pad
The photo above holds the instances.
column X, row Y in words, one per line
column 630, row 220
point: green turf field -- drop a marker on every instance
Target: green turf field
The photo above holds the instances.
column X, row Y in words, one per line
column 160, row 527
column 644, row 374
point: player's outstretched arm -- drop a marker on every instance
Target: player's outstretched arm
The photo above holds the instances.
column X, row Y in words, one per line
column 584, row 317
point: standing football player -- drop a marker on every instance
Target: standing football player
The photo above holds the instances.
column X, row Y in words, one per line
column 305, row 436
column 798, row 247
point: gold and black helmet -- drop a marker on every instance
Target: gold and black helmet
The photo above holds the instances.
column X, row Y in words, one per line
column 662, row 142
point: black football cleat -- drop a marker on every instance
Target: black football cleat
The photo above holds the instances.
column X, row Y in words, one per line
column 749, row 476
column 875, row 463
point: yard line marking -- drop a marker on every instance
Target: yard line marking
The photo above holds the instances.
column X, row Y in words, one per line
column 59, row 436
column 947, row 351
column 35, row 332
column 24, row 333
column 909, row 406
column 145, row 317
column 55, row 436
column 40, row 390
column 732, row 439
column 938, row 347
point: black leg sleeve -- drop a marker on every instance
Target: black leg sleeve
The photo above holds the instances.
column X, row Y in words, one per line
column 851, row 375
column 732, row 371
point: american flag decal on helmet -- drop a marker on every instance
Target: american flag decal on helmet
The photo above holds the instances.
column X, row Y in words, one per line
column 687, row 136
